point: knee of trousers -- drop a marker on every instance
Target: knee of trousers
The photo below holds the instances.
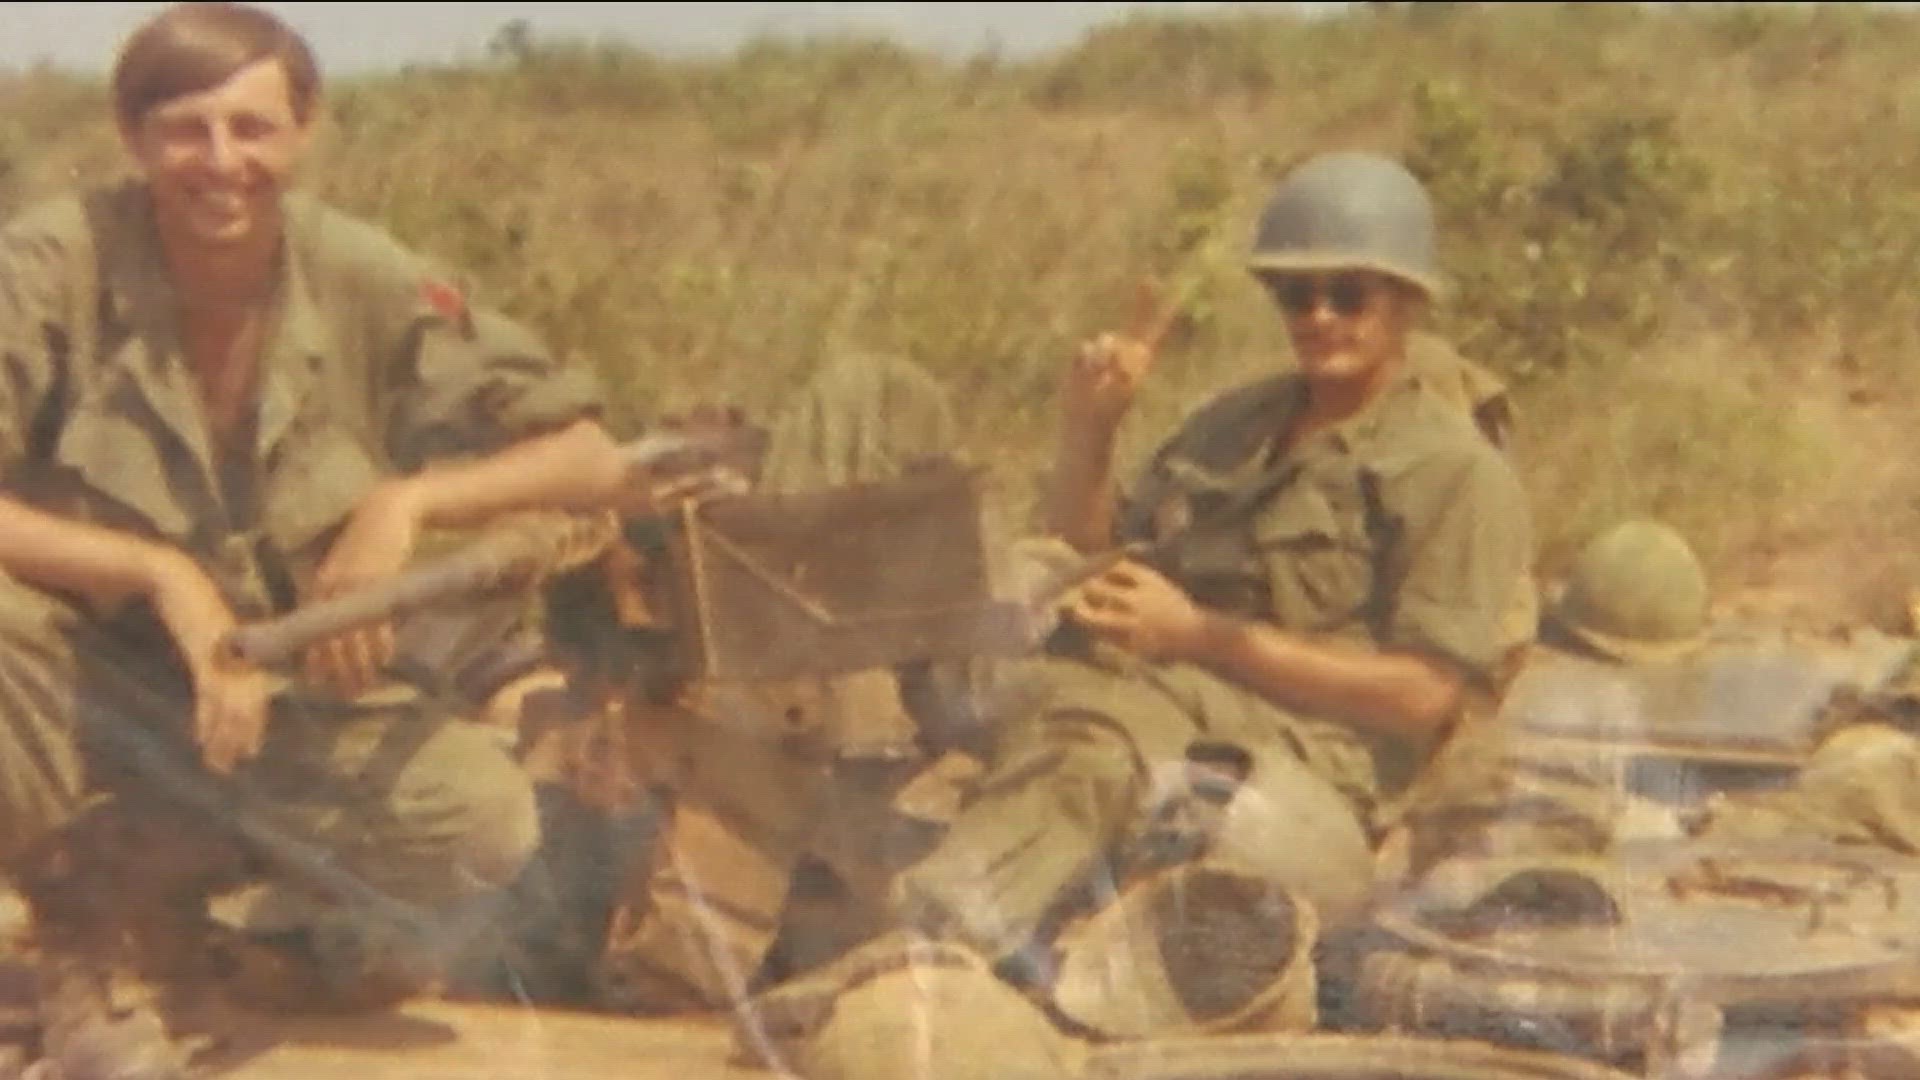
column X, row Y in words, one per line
column 1095, row 780
column 43, row 778
column 471, row 809
column 1078, row 785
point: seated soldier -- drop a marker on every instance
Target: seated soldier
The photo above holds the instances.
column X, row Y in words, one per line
column 752, row 862
column 222, row 399
column 1343, row 554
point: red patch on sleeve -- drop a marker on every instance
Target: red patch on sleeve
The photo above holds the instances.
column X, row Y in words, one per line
column 445, row 299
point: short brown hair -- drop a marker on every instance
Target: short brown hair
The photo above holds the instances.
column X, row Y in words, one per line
column 193, row 47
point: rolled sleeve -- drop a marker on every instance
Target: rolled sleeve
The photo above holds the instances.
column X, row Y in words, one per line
column 1463, row 556
column 478, row 381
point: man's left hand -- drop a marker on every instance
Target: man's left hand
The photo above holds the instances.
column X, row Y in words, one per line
column 1138, row 609
column 375, row 545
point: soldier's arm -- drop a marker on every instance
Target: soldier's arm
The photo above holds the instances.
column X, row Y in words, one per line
column 106, row 569
column 1083, row 489
column 1464, row 544
column 488, row 421
column 577, row 467
column 1099, row 390
column 39, row 548
column 99, row 565
column 1402, row 693
column 1408, row 693
column 102, row 566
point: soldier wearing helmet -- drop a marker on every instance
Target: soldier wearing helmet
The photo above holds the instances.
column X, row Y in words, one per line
column 1639, row 715
column 1339, row 556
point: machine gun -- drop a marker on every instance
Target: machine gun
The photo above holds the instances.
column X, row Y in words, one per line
column 520, row 553
column 762, row 586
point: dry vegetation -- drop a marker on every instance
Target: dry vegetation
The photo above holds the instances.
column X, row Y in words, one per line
column 1685, row 235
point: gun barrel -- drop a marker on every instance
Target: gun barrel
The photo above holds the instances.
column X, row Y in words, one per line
column 508, row 558
column 502, row 559
column 272, row 642
column 676, row 451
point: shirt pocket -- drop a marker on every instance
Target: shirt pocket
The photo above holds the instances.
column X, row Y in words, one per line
column 319, row 475
column 118, row 467
column 1317, row 557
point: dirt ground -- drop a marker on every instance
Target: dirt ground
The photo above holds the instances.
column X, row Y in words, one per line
column 444, row 1040
column 448, row 1041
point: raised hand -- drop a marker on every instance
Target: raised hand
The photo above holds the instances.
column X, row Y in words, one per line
column 1106, row 372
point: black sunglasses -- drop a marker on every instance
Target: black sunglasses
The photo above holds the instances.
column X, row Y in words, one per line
column 1348, row 296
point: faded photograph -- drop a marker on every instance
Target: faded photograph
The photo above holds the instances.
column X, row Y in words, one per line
column 958, row 542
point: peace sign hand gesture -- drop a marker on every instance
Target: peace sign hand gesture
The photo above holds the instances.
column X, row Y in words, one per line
column 1106, row 373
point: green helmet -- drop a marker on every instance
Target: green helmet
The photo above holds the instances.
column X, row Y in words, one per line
column 1349, row 210
column 1637, row 592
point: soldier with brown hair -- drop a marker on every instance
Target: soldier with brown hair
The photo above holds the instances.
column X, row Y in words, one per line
column 221, row 399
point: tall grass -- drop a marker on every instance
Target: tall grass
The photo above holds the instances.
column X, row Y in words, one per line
column 1684, row 234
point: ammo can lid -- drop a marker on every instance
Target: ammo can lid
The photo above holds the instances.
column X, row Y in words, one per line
column 1727, row 922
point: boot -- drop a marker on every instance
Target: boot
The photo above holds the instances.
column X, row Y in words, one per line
column 175, row 939
column 287, row 951
column 93, row 1026
column 318, row 971
column 96, row 1019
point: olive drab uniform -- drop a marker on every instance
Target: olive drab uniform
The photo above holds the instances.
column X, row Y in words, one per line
column 375, row 363
column 1473, row 389
column 1401, row 528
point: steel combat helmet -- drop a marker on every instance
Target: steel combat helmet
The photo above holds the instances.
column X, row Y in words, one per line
column 1349, row 210
column 1637, row 593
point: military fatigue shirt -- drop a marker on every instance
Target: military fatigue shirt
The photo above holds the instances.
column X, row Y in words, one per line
column 374, row 363
column 1472, row 388
column 1401, row 528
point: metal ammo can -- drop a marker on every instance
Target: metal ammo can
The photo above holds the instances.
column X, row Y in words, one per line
column 1664, row 958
